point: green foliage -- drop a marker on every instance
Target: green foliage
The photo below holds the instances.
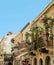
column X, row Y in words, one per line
column 27, row 36
column 48, row 18
column 48, row 23
column 39, row 43
column 30, row 48
column 34, row 34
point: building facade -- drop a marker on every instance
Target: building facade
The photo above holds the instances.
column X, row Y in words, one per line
column 43, row 58
column 6, row 47
column 41, row 55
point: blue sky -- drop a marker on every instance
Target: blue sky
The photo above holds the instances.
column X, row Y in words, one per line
column 15, row 14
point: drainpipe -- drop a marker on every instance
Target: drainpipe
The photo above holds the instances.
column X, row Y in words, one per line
column 53, row 39
column 52, row 61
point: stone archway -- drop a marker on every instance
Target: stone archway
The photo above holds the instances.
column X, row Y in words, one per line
column 48, row 60
column 35, row 61
column 40, row 62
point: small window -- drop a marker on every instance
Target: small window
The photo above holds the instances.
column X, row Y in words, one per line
column 35, row 61
column 41, row 62
column 12, row 40
column 48, row 60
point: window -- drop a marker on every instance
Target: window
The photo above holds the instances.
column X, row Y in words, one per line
column 35, row 61
column 48, row 60
column 41, row 62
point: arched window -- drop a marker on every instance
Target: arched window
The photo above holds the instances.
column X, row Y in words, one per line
column 48, row 60
column 41, row 62
column 35, row 61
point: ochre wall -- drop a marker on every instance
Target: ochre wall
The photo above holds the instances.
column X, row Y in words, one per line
column 19, row 37
column 26, row 30
column 48, row 13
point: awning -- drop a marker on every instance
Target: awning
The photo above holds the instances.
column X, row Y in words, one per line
column 21, row 55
